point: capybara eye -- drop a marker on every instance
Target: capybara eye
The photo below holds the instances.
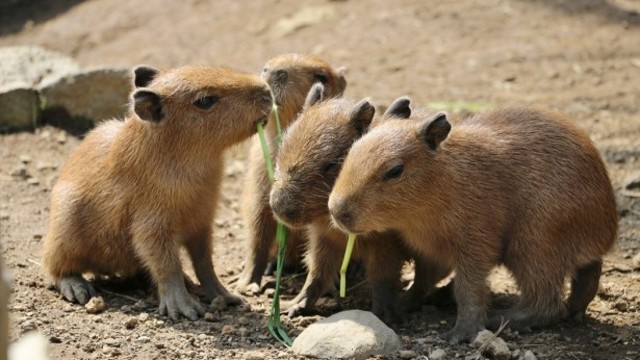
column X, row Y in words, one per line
column 323, row 78
column 206, row 102
column 264, row 69
column 394, row 173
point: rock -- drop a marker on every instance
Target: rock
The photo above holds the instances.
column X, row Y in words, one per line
column 255, row 355
column 33, row 181
column 32, row 346
column 112, row 342
column 25, row 159
column 20, row 108
column 407, row 354
column 20, row 172
column 348, row 334
column 131, row 323
column 636, row 261
column 143, row 339
column 228, row 329
column 302, row 18
column 438, row 354
column 632, row 181
column 4, row 216
column 80, row 99
column 492, row 346
column 210, row 317
column 622, row 306
column 243, row 331
column 95, row 305
column 528, row 355
column 142, row 317
column 217, row 304
column 30, row 66
column 243, row 320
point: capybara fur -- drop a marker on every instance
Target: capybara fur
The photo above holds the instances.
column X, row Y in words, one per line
column 135, row 191
column 522, row 187
column 290, row 78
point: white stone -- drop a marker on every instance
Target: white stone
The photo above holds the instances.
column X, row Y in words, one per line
column 352, row 334
column 494, row 347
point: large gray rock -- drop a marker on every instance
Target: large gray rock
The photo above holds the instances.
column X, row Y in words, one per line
column 19, row 108
column 23, row 69
column 30, row 66
column 352, row 334
column 78, row 100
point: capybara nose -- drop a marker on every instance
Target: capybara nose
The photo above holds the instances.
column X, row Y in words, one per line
column 285, row 210
column 265, row 96
column 340, row 212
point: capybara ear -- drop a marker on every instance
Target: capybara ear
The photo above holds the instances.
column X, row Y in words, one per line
column 143, row 75
column 434, row 131
column 315, row 95
column 342, row 82
column 399, row 109
column 147, row 105
column 362, row 115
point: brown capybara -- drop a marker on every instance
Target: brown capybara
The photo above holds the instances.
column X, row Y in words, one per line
column 308, row 163
column 135, row 191
column 521, row 187
column 290, row 78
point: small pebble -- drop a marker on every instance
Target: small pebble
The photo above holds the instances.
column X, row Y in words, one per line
column 20, row 172
column 254, row 355
column 33, row 181
column 438, row 354
column 55, row 340
column 62, row 138
column 131, row 323
column 217, row 304
column 112, row 342
column 159, row 345
column 25, row 159
column 528, row 355
column 243, row 320
column 143, row 339
column 210, row 317
column 243, row 331
column 96, row 305
column 494, row 347
column 228, row 329
column 143, row 317
column 407, row 354
column 4, row 216
column 622, row 306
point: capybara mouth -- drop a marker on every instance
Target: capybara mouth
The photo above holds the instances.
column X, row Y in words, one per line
column 262, row 120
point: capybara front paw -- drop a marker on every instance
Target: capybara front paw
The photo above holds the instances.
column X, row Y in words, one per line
column 76, row 289
column 173, row 305
column 295, row 307
column 461, row 334
column 248, row 288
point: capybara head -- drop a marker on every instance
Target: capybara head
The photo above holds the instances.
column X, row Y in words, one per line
column 291, row 76
column 197, row 102
column 311, row 155
column 389, row 170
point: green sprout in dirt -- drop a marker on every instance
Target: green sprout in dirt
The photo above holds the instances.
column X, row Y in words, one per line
column 275, row 326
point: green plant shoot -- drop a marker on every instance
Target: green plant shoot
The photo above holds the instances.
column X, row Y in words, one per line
column 274, row 325
column 345, row 264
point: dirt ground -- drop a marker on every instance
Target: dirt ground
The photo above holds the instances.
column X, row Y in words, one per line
column 581, row 57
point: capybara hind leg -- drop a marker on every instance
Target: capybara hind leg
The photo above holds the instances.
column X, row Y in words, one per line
column 541, row 296
column 75, row 289
column 262, row 233
column 584, row 287
column 199, row 249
